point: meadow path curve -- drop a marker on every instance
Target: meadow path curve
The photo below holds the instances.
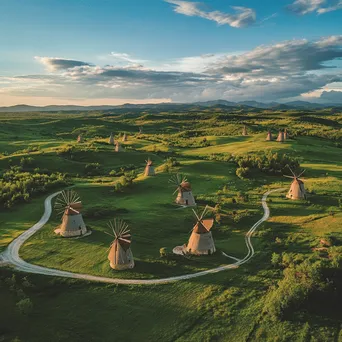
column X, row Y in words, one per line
column 11, row 255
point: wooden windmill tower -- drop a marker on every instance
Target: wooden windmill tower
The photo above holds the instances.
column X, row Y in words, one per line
column 120, row 255
column 201, row 240
column 111, row 139
column 149, row 169
column 297, row 189
column 124, row 137
column 269, row 136
column 244, row 130
column 118, row 147
column 183, row 188
column 68, row 203
column 281, row 137
column 80, row 138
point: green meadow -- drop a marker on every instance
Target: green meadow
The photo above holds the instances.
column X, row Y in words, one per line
column 249, row 303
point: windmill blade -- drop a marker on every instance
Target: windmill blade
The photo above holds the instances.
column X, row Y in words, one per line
column 196, row 215
column 291, row 171
column 289, row 176
column 74, row 210
column 204, row 212
column 301, row 173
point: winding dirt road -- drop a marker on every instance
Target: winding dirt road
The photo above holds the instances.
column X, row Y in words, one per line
column 11, row 255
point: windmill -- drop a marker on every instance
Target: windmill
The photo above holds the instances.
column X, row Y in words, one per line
column 286, row 135
column 111, row 139
column 297, row 189
column 244, row 130
column 201, row 240
column 124, row 137
column 140, row 130
column 269, row 136
column 118, row 147
column 80, row 138
column 69, row 205
column 183, row 187
column 281, row 137
column 120, row 255
column 149, row 169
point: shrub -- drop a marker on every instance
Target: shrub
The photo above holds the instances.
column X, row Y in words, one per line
column 163, row 252
column 93, row 169
column 243, row 172
column 25, row 306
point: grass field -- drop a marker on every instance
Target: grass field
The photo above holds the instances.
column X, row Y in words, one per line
column 227, row 306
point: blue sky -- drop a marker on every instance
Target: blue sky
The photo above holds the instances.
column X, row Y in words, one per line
column 122, row 46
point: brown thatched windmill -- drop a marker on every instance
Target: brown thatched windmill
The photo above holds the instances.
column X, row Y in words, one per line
column 80, row 138
column 124, row 137
column 118, row 147
column 68, row 203
column 281, row 136
column 244, row 130
column 111, row 139
column 120, row 255
column 183, row 187
column 269, row 136
column 201, row 240
column 297, row 189
column 149, row 169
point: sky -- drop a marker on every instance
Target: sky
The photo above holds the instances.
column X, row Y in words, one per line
column 93, row 52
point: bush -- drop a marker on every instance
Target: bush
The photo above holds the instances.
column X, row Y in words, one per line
column 93, row 169
column 25, row 306
column 243, row 172
column 125, row 181
column 163, row 252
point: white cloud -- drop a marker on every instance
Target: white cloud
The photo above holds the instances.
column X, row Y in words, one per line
column 55, row 63
column 243, row 16
column 303, row 7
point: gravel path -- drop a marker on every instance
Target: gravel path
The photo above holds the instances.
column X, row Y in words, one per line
column 11, row 255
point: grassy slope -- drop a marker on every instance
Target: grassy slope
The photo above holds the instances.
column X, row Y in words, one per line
column 224, row 306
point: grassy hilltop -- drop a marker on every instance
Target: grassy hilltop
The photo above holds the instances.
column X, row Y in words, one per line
column 287, row 292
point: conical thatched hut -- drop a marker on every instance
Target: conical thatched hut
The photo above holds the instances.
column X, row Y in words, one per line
column 149, row 169
column 68, row 203
column 244, row 130
column 80, row 138
column 280, row 136
column 269, row 136
column 124, row 137
column 183, row 188
column 201, row 241
column 297, row 189
column 111, row 139
column 118, row 147
column 120, row 255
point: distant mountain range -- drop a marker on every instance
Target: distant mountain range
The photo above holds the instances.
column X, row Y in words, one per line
column 215, row 103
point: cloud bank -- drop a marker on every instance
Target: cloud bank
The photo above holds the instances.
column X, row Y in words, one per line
column 273, row 72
